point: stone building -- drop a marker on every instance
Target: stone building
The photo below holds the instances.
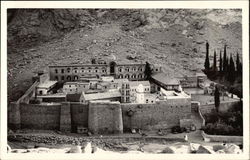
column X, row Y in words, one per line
column 75, row 87
column 133, row 71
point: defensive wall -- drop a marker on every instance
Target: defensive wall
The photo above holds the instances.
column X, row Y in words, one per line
column 224, row 106
column 161, row 115
column 221, row 138
column 105, row 118
column 99, row 117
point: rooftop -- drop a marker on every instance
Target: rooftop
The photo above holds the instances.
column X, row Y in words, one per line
column 104, row 95
column 73, row 97
column 121, row 80
column 137, row 83
column 165, row 79
column 47, row 84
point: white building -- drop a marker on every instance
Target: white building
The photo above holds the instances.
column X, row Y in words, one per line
column 75, row 87
column 45, row 87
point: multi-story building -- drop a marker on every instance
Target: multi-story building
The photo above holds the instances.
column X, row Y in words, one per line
column 133, row 71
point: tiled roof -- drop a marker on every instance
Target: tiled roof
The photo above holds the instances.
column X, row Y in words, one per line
column 165, row 79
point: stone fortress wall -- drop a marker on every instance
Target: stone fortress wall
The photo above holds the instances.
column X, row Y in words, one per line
column 99, row 117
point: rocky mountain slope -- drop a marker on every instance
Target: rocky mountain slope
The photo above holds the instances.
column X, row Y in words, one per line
column 174, row 38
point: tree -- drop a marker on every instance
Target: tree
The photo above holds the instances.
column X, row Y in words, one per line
column 207, row 63
column 238, row 65
column 217, row 98
column 93, row 61
column 231, row 70
column 225, row 63
column 221, row 63
column 215, row 65
column 148, row 71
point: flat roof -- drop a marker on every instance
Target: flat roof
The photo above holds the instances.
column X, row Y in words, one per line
column 165, row 79
column 137, row 83
column 47, row 84
column 104, row 95
column 52, row 96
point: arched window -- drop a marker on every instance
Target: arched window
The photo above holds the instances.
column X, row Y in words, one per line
column 134, row 76
column 75, row 70
column 127, row 76
column 120, row 76
column 140, row 76
column 127, row 69
column 69, row 78
column 82, row 69
column 56, row 71
column 134, row 69
column 62, row 70
column 75, row 77
column 120, row 69
column 68, row 70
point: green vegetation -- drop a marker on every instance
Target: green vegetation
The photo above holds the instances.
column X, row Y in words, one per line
column 225, row 123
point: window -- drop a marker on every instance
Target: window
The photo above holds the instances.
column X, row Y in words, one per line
column 68, row 70
column 40, row 92
column 120, row 69
column 62, row 78
column 126, row 76
column 96, row 70
column 69, row 85
column 56, row 70
column 103, row 70
column 56, row 78
column 89, row 70
column 127, row 69
column 134, row 69
column 120, row 76
column 146, row 100
column 156, row 70
column 152, row 101
column 62, row 71
column 68, row 78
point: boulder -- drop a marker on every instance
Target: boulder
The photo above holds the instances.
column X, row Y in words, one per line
column 75, row 149
column 87, row 149
column 232, row 149
column 205, row 149
column 194, row 147
column 218, row 147
column 8, row 149
column 168, row 150
column 220, row 152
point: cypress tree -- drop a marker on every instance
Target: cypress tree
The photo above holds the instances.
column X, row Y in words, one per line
column 215, row 65
column 207, row 63
column 148, row 71
column 225, row 63
column 221, row 63
column 238, row 64
column 231, row 71
column 217, row 98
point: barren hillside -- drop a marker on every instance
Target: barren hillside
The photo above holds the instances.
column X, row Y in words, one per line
column 174, row 38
